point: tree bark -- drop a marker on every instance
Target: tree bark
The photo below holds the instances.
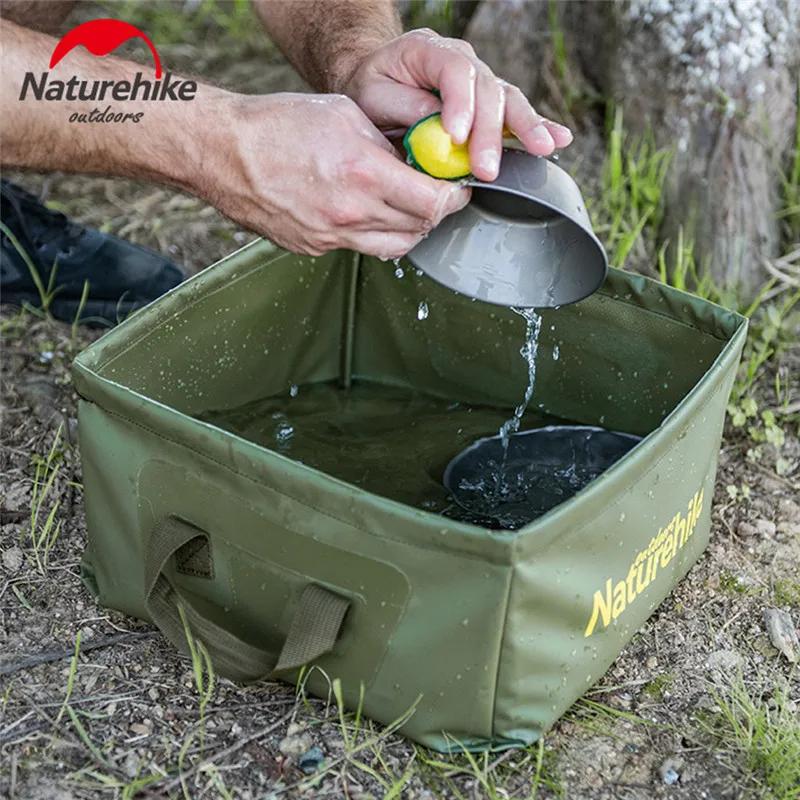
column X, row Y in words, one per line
column 715, row 79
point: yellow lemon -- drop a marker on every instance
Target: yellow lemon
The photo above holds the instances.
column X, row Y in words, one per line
column 430, row 149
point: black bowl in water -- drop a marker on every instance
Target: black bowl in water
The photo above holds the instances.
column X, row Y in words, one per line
column 543, row 468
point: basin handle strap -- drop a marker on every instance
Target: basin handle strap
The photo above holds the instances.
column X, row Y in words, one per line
column 313, row 631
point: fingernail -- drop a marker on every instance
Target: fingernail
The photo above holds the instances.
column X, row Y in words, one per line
column 460, row 129
column 541, row 136
column 489, row 162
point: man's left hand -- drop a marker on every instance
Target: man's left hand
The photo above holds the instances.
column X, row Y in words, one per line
column 392, row 86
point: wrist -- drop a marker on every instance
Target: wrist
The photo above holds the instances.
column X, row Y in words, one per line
column 194, row 144
column 343, row 68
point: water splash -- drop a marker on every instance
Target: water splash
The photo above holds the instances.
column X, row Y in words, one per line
column 293, row 390
column 528, row 352
column 284, row 432
column 398, row 270
column 555, row 353
column 422, row 311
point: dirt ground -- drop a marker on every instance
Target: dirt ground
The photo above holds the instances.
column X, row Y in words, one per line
column 133, row 703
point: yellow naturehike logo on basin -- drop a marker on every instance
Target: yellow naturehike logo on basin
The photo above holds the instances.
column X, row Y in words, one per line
column 663, row 547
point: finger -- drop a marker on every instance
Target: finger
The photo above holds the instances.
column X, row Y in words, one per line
column 452, row 197
column 457, row 85
column 385, row 218
column 419, row 195
column 526, row 124
column 443, row 64
column 486, row 139
column 383, row 245
column 539, row 134
column 562, row 135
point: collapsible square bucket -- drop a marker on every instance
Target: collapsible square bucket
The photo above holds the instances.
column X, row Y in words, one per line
column 481, row 636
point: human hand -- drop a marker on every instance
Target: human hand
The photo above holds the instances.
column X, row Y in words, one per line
column 313, row 174
column 392, row 86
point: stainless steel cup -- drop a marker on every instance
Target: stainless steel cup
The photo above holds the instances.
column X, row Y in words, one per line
column 524, row 240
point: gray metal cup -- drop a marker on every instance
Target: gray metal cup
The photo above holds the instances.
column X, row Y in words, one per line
column 524, row 240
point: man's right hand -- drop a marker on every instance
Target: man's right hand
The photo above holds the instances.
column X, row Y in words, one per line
column 312, row 174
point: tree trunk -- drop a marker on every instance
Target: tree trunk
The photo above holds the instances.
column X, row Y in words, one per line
column 718, row 80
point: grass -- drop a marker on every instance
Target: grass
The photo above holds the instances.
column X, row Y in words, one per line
column 773, row 331
column 787, row 592
column 757, row 735
column 657, row 687
column 46, row 293
column 43, row 528
column 627, row 213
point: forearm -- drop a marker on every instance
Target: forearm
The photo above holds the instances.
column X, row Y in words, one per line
column 326, row 40
column 49, row 134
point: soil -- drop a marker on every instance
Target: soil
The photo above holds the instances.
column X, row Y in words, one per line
column 133, row 702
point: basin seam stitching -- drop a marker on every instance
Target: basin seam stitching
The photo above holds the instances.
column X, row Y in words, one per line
column 507, row 602
column 323, row 512
column 349, row 321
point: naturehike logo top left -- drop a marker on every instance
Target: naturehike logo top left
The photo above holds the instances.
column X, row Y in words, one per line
column 100, row 37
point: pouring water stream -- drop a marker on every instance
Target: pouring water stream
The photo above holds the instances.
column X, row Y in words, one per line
column 528, row 352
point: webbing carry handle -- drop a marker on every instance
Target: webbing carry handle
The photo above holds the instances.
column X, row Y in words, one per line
column 314, row 629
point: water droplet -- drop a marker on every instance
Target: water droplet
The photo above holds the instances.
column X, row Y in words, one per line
column 293, row 391
column 555, row 353
column 465, row 622
column 422, row 311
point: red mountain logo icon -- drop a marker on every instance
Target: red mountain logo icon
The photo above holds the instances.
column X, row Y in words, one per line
column 100, row 37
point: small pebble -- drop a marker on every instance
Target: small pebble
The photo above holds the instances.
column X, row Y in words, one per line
column 12, row 559
column 765, row 528
column 746, row 530
column 723, row 660
column 295, row 744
